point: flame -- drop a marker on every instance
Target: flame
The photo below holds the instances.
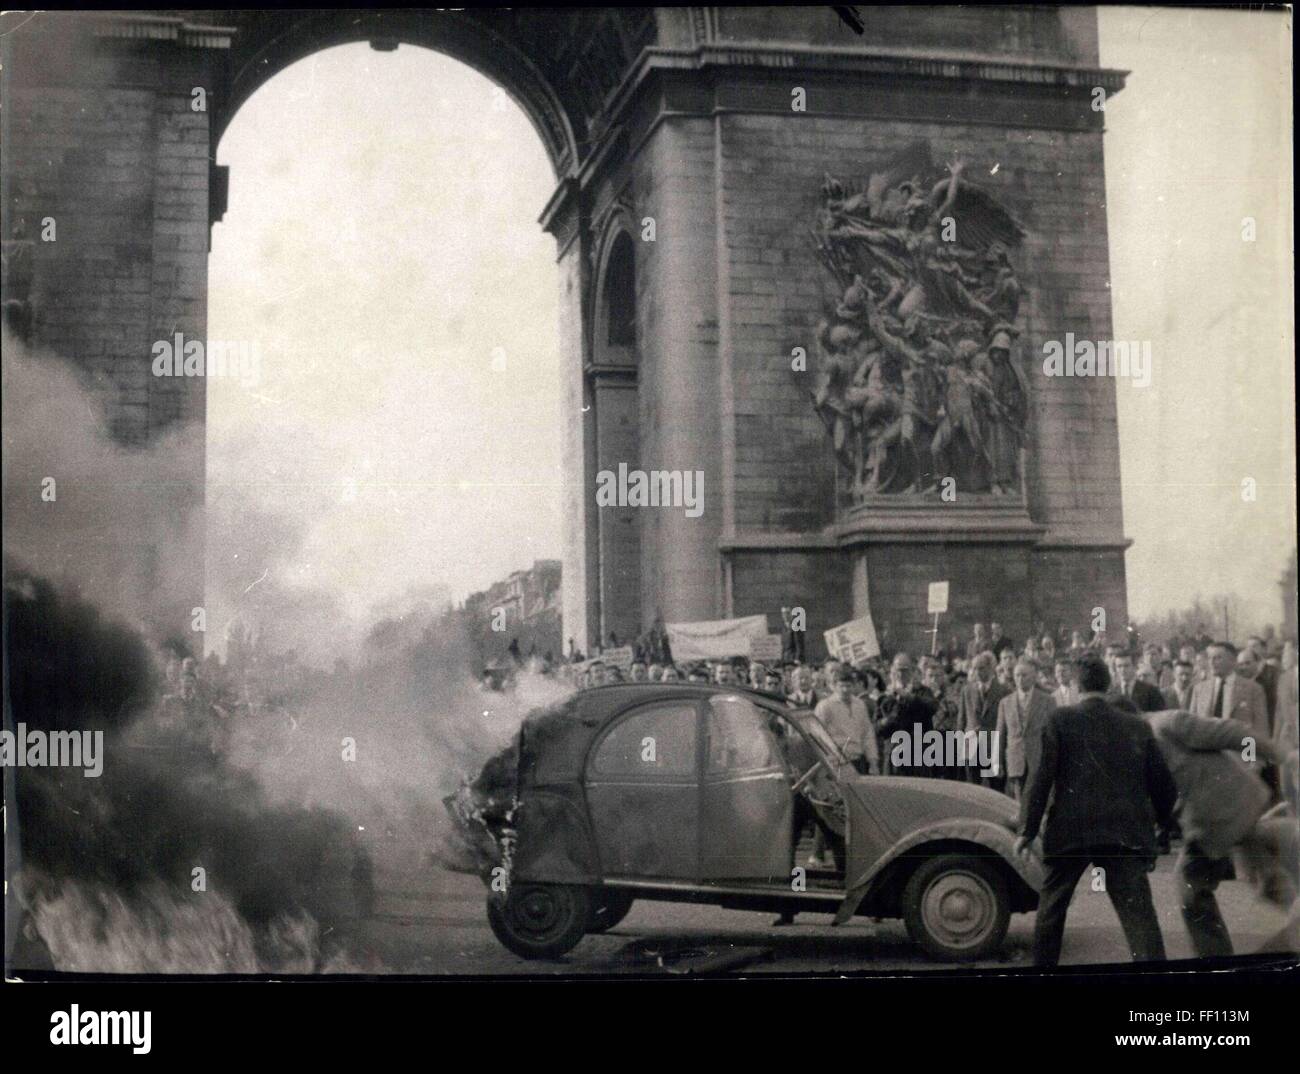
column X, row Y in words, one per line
column 93, row 930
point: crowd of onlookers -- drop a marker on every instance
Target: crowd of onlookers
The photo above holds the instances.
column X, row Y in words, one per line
column 1212, row 761
column 990, row 683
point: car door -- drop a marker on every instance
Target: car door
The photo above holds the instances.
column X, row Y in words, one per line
column 746, row 805
column 642, row 787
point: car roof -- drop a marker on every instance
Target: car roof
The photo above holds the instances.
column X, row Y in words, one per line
column 686, row 687
column 559, row 736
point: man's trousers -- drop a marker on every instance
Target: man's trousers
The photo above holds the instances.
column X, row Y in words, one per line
column 1124, row 873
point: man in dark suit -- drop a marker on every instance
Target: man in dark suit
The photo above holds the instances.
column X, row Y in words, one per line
column 1109, row 785
column 1145, row 697
column 903, row 707
column 978, row 707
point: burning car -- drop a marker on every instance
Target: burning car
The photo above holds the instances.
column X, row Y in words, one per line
column 698, row 793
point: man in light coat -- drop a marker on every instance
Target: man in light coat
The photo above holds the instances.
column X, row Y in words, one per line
column 1222, row 802
column 1020, row 722
column 1226, row 695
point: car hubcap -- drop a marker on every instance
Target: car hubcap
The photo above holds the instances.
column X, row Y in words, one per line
column 958, row 909
column 538, row 911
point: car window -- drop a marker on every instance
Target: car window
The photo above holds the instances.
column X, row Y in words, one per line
column 739, row 737
column 822, row 737
column 656, row 740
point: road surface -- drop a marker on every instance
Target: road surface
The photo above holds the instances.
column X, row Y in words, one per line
column 430, row 921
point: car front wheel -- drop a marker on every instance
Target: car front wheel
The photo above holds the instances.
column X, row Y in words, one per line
column 957, row 907
column 540, row 920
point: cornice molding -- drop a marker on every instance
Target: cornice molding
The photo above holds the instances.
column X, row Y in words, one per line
column 134, row 26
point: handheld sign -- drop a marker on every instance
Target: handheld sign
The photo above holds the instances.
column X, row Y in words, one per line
column 938, row 598
column 936, row 606
column 853, row 641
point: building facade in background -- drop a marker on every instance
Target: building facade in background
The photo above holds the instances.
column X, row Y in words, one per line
column 522, row 610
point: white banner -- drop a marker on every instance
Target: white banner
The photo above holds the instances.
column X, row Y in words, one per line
column 853, row 641
column 767, row 648
column 716, row 639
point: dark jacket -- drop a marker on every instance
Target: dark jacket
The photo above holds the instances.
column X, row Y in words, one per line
column 1107, row 779
column 1145, row 697
column 1267, row 679
column 901, row 712
column 976, row 716
column 999, row 643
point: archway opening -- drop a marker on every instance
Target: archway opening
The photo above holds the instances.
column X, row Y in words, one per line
column 391, row 440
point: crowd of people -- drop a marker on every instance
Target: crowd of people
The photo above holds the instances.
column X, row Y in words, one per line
column 1114, row 751
column 994, row 685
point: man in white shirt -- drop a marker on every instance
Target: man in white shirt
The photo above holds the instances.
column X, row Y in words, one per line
column 845, row 719
column 1066, row 692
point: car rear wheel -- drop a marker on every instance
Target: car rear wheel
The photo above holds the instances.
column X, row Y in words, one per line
column 957, row 907
column 540, row 920
column 609, row 908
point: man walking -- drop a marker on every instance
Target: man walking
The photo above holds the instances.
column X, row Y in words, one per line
column 1108, row 785
column 1222, row 802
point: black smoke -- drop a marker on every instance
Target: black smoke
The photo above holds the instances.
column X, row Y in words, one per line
column 161, row 808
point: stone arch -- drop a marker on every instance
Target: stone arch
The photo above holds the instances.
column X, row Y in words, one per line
column 264, row 47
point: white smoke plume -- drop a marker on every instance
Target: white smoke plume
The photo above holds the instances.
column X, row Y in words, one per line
column 373, row 721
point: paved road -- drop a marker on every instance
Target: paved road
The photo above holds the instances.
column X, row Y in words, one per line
column 431, row 921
